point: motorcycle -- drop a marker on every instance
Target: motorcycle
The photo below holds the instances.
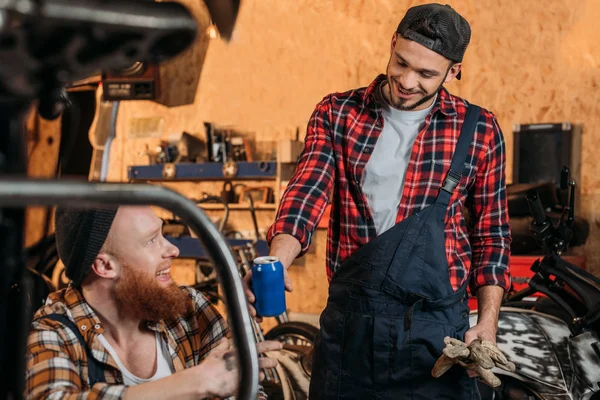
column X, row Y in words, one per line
column 551, row 329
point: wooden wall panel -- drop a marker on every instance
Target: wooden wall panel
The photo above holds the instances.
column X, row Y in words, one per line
column 42, row 149
column 528, row 62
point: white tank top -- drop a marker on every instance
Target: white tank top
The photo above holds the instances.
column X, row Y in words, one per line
column 163, row 361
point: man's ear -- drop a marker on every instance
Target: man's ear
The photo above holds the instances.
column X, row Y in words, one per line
column 393, row 43
column 452, row 72
column 104, row 266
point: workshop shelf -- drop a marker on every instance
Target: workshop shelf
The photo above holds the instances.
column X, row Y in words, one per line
column 190, row 247
column 250, row 170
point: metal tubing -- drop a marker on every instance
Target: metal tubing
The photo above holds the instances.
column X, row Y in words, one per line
column 22, row 192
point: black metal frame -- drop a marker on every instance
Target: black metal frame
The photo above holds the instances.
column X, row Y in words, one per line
column 45, row 45
column 21, row 192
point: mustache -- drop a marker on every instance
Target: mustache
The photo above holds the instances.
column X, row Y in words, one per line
column 406, row 91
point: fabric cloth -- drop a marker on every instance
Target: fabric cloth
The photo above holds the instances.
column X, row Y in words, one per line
column 383, row 176
column 164, row 364
column 56, row 361
column 342, row 133
column 80, row 234
column 390, row 307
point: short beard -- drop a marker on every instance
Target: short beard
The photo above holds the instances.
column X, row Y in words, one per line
column 418, row 103
column 400, row 105
column 139, row 294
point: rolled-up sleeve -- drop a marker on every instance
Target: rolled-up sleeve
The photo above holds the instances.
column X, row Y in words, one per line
column 491, row 237
column 307, row 194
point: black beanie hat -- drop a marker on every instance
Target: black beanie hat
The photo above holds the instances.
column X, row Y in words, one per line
column 80, row 234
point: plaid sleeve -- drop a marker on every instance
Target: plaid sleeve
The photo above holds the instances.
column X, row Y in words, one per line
column 306, row 197
column 490, row 239
column 210, row 323
column 51, row 373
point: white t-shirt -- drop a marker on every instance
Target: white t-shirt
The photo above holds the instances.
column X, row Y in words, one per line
column 163, row 361
column 383, row 176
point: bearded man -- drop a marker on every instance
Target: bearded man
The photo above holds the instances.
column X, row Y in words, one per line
column 123, row 328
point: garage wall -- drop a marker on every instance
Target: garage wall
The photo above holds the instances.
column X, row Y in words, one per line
column 529, row 62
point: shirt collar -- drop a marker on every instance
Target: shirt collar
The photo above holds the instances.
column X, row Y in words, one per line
column 445, row 102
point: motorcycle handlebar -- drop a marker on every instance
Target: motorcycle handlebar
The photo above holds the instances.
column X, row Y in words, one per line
column 536, row 207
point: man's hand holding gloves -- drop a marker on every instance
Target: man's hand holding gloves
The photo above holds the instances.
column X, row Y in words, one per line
column 480, row 356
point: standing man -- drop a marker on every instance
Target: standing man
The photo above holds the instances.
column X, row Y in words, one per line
column 401, row 161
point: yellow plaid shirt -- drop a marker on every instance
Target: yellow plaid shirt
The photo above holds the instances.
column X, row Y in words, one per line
column 57, row 363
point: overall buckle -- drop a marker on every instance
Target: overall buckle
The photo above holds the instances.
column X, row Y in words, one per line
column 451, row 182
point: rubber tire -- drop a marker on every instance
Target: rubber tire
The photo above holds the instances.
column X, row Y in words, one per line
column 303, row 329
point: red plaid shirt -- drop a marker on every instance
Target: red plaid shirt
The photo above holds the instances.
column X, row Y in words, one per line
column 341, row 136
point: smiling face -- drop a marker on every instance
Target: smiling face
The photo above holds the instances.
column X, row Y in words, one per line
column 137, row 260
column 415, row 74
column 136, row 240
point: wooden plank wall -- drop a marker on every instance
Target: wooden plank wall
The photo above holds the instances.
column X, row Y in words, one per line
column 43, row 142
column 528, row 62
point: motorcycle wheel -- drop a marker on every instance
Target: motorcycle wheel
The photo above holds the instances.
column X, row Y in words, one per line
column 509, row 389
column 298, row 334
column 294, row 332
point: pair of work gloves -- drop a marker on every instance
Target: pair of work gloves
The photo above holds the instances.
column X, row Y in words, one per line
column 480, row 356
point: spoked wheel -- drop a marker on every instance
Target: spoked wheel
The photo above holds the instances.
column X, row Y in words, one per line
column 294, row 361
column 294, row 332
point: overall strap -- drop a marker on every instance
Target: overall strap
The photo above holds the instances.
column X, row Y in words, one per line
column 460, row 155
column 95, row 368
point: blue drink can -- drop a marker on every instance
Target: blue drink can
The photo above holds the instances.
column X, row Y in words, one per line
column 268, row 286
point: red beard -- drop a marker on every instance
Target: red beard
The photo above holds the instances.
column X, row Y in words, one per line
column 141, row 295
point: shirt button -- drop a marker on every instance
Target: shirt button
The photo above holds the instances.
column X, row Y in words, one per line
column 97, row 326
column 83, row 327
column 367, row 150
column 378, row 123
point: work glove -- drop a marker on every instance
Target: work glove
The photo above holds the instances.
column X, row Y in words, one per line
column 480, row 357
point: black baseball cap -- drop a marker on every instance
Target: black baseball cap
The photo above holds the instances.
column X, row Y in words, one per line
column 452, row 31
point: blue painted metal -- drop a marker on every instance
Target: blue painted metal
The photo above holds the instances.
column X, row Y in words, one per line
column 204, row 171
column 190, row 247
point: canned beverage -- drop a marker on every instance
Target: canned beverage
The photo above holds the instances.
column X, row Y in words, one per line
column 268, row 286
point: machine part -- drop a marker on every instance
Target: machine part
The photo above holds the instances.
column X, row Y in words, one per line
column 228, row 193
column 517, row 197
column 296, row 333
column 260, row 194
column 191, row 149
column 230, row 169
column 169, row 171
column 294, row 361
column 139, row 81
column 216, row 199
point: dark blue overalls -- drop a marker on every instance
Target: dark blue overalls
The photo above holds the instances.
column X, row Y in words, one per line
column 390, row 306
